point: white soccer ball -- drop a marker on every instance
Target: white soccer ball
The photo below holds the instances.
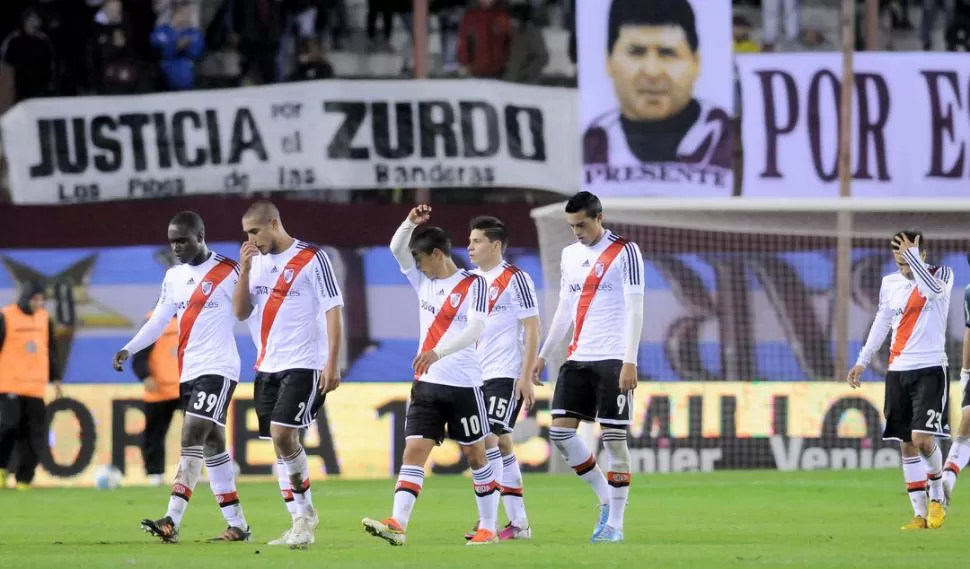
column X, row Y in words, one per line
column 107, row 477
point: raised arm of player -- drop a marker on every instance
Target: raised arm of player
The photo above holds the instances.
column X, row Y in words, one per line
column 477, row 307
column 881, row 326
column 632, row 266
column 331, row 303
column 242, row 300
column 931, row 286
column 401, row 241
column 558, row 328
column 152, row 329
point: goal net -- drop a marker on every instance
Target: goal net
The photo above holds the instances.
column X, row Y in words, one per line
column 738, row 359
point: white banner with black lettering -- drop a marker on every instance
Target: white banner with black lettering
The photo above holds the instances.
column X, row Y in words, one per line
column 297, row 136
column 910, row 124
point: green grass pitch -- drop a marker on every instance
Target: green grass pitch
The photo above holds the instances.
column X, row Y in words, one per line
column 772, row 519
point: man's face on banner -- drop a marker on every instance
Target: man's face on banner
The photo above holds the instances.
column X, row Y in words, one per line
column 653, row 71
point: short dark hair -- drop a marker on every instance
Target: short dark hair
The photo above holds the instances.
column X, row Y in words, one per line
column 912, row 234
column 190, row 221
column 585, row 201
column 428, row 239
column 678, row 13
column 492, row 227
column 263, row 211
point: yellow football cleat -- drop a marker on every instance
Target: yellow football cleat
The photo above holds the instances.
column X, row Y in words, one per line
column 3, row 477
column 936, row 515
column 23, row 486
column 919, row 522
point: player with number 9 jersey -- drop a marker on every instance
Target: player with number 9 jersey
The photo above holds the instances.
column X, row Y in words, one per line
column 601, row 295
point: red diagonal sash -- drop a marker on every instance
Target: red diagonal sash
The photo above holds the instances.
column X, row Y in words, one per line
column 446, row 315
column 499, row 285
column 214, row 277
column 278, row 295
column 591, row 285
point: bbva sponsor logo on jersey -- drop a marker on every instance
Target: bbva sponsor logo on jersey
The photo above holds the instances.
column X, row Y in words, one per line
column 288, row 275
column 455, row 299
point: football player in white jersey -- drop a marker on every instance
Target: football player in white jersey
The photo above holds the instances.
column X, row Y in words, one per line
column 601, row 294
column 199, row 291
column 507, row 350
column 914, row 303
column 959, row 453
column 447, row 388
column 286, row 289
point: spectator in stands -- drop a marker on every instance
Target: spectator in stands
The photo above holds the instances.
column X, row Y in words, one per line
column 528, row 54
column 930, row 10
column 255, row 29
column 299, row 24
column 28, row 65
column 115, row 70
column 958, row 30
column 383, row 10
column 449, row 14
column 743, row 43
column 311, row 64
column 180, row 44
column 772, row 22
column 483, row 39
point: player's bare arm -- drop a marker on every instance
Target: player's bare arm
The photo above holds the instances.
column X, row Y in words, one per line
column 335, row 327
column 242, row 302
column 528, row 380
column 881, row 326
column 965, row 367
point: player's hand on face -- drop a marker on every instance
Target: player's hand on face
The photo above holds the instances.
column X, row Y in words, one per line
column 120, row 358
column 628, row 377
column 420, row 214
column 423, row 362
column 525, row 391
column 855, row 376
column 246, row 253
column 902, row 243
column 329, row 378
column 537, row 371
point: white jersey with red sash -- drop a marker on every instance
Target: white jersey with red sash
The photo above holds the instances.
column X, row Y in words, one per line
column 201, row 297
column 290, row 292
column 444, row 307
column 595, row 281
column 511, row 299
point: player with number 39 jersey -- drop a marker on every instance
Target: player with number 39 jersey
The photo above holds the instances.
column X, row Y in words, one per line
column 199, row 291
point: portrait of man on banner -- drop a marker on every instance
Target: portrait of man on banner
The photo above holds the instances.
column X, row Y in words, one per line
column 656, row 109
